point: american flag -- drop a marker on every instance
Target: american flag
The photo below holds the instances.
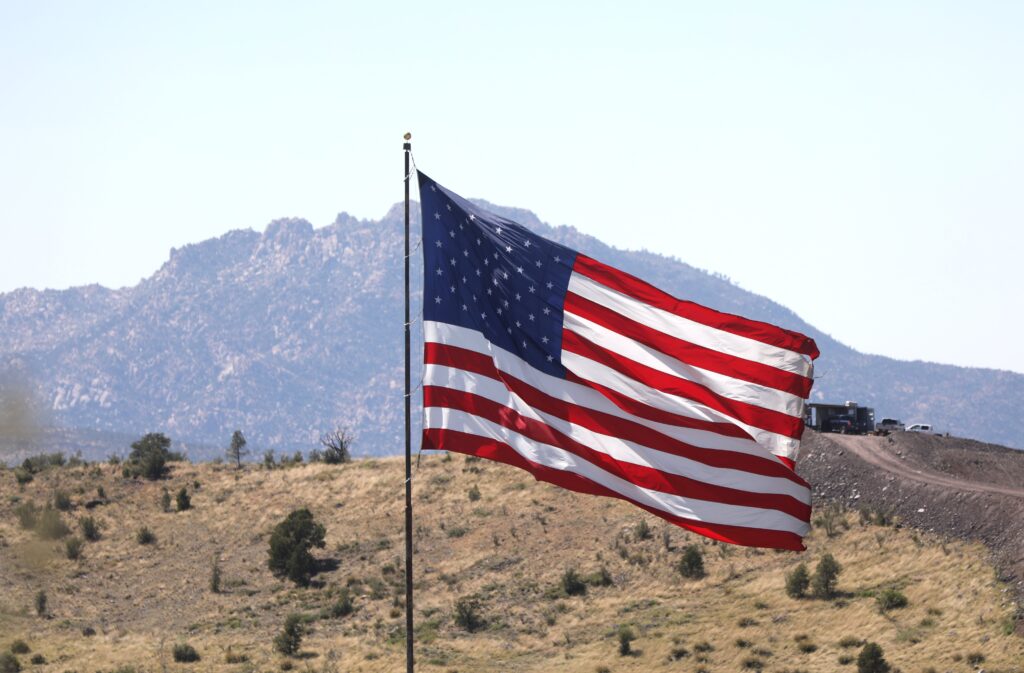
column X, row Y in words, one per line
column 593, row 380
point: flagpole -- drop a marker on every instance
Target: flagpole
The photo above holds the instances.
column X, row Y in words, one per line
column 407, row 150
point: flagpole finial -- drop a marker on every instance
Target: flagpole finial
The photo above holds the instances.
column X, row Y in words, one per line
column 408, row 136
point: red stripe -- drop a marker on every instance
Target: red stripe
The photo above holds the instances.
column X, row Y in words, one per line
column 605, row 423
column 463, row 358
column 453, row 440
column 641, row 475
column 690, row 353
column 727, row 322
column 751, row 414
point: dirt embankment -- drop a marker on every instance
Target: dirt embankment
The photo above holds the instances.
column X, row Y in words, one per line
column 957, row 487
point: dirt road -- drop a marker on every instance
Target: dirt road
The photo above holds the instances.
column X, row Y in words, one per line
column 873, row 451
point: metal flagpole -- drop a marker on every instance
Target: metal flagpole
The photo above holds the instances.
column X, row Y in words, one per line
column 407, row 149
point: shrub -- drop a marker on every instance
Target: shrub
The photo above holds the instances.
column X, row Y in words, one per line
column 467, row 613
column 845, row 659
column 678, row 652
column 797, row 581
column 165, row 500
column 891, row 599
column 145, row 536
column 37, row 659
column 184, row 653
column 807, row 647
column 233, row 658
column 100, row 493
column 73, row 548
column 9, row 663
column 90, row 529
column 215, row 575
column 643, row 530
column 183, row 501
column 40, row 603
column 703, row 647
column 691, row 566
column 61, row 501
column 50, row 525
column 22, row 476
column 823, row 583
column 753, row 663
column 290, row 544
column 19, row 647
column 601, row 578
column 343, row 606
column 975, row 658
column 474, row 493
column 269, row 462
column 626, row 638
column 149, row 455
column 290, row 639
column 850, row 641
column 28, row 515
column 870, row 660
column 572, row 583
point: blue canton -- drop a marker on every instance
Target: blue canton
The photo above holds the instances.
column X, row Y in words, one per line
column 489, row 274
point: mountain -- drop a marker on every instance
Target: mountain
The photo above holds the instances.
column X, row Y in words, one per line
column 296, row 331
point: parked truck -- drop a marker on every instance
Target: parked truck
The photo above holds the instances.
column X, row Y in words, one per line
column 848, row 419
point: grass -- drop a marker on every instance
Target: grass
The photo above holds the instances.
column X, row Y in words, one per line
column 154, row 593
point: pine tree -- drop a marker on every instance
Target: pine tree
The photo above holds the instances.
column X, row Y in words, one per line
column 237, row 448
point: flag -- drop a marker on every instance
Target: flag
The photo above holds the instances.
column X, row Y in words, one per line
column 587, row 377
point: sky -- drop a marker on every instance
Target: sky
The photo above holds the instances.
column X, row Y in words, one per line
column 860, row 163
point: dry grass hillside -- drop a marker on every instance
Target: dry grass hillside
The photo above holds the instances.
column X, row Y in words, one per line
column 123, row 605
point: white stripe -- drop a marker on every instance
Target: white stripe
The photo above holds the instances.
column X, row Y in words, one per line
column 727, row 386
column 559, row 459
column 585, row 396
column 620, row 449
column 589, row 370
column 689, row 330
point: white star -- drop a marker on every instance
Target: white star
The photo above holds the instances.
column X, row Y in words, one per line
column 550, row 358
column 499, row 311
column 547, row 310
column 478, row 241
column 544, row 339
column 489, row 292
column 518, row 296
column 452, row 233
column 474, row 297
column 505, row 274
column 437, row 216
column 550, row 285
column 438, row 244
column 463, row 279
column 472, row 217
column 519, row 324
column 527, row 243
column 505, row 303
column 537, row 263
column 483, row 316
column 452, row 288
column 452, row 262
column 465, row 253
column 478, row 272
column 465, row 308
column 486, row 261
column 449, row 207
column 531, row 317
column 495, row 255
column 508, row 248
column 510, row 330
column 437, row 300
column 524, row 344
column 532, row 289
column 557, row 258
column 433, row 188
column 498, row 231
column 519, row 269
column 495, row 281
column 439, row 272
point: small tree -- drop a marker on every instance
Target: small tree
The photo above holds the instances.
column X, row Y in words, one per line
column 823, row 583
column 165, row 500
column 870, row 660
column 626, row 637
column 149, row 455
column 337, row 445
column 73, row 547
column 184, row 502
column 290, row 544
column 237, row 448
column 215, row 575
column 290, row 639
column 90, row 529
column 572, row 583
column 40, row 603
column 467, row 613
column 691, row 566
column 797, row 581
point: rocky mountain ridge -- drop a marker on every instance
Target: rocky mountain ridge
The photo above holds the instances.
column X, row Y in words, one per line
column 296, row 330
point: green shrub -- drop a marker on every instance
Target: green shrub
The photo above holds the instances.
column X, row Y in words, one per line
column 20, row 647
column 975, row 658
column 572, row 583
column 215, row 575
column 823, row 583
column 145, row 536
column 474, row 493
column 37, row 659
column 290, row 639
column 73, row 548
column 807, row 647
column 149, row 456
column 891, row 599
column 183, row 501
column 90, row 529
column 61, row 501
column 850, row 641
column 691, row 565
column 703, row 647
column 28, row 515
column 9, row 663
column 100, row 493
column 601, row 578
column 846, row 659
column 343, row 606
column 50, row 525
column 753, row 663
column 184, row 653
column 870, row 660
column 290, row 544
column 626, row 638
column 40, row 603
column 643, row 530
column 468, row 613
column 165, row 500
column 22, row 476
column 797, row 581
column 678, row 652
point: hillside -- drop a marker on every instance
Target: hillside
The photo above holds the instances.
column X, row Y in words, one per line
column 293, row 331
column 509, row 549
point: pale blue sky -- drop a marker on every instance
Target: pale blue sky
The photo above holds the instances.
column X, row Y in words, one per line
column 833, row 157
